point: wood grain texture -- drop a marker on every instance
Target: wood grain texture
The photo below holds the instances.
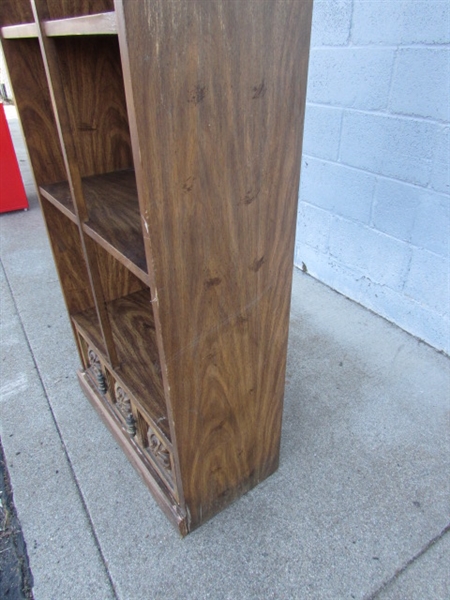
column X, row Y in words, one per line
column 60, row 9
column 64, row 118
column 69, row 259
column 219, row 93
column 216, row 94
column 116, row 279
column 114, row 219
column 101, row 24
column 32, row 98
column 133, row 330
column 114, row 216
column 59, row 195
column 93, row 87
column 13, row 12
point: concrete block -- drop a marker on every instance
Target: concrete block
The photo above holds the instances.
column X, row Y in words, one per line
column 308, row 259
column 428, row 280
column 428, row 325
column 313, row 226
column 394, row 306
column 420, row 83
column 394, row 208
column 350, row 77
column 413, row 317
column 331, row 22
column 381, row 258
column 322, row 131
column 400, row 22
column 432, row 224
column 393, row 146
column 344, row 191
column 440, row 176
column 328, row 270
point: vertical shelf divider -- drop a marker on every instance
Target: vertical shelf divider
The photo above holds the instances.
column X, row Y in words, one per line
column 62, row 118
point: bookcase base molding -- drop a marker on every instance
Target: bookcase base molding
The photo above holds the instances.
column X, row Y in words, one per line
column 136, row 456
column 165, row 139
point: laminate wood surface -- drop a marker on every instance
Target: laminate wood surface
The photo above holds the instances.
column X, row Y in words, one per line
column 93, row 87
column 24, row 30
column 197, row 205
column 114, row 214
column 13, row 12
column 134, row 334
column 32, row 98
column 69, row 258
column 114, row 218
column 60, row 9
column 116, row 279
column 59, row 195
column 100, row 24
column 65, row 118
column 218, row 90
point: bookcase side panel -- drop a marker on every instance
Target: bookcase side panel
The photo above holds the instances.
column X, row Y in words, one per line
column 219, row 94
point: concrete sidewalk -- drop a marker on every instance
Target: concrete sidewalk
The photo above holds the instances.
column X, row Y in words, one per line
column 359, row 508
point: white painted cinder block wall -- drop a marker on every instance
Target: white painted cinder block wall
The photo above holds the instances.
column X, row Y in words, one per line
column 374, row 210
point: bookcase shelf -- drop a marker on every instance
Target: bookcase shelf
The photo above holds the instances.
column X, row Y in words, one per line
column 114, row 218
column 59, row 195
column 100, row 24
column 165, row 139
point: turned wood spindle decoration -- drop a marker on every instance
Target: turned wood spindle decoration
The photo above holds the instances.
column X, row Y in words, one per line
column 124, row 406
column 96, row 368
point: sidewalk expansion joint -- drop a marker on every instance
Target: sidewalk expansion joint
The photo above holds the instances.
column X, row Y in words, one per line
column 406, row 566
column 63, row 445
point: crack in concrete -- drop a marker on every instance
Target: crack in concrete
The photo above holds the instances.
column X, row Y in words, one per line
column 406, row 566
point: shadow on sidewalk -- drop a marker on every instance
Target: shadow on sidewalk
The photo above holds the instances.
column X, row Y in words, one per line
column 16, row 579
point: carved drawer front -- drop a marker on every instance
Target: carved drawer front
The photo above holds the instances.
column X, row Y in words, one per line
column 155, row 446
column 94, row 366
column 159, row 451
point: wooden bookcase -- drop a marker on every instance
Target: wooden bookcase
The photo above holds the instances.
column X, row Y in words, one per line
column 165, row 139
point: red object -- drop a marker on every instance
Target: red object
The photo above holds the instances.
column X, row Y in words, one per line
column 12, row 192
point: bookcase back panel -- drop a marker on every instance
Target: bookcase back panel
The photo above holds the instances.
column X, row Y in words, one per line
column 219, row 90
column 113, row 211
column 69, row 259
column 93, row 87
column 116, row 279
column 14, row 12
column 32, row 97
column 59, row 9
